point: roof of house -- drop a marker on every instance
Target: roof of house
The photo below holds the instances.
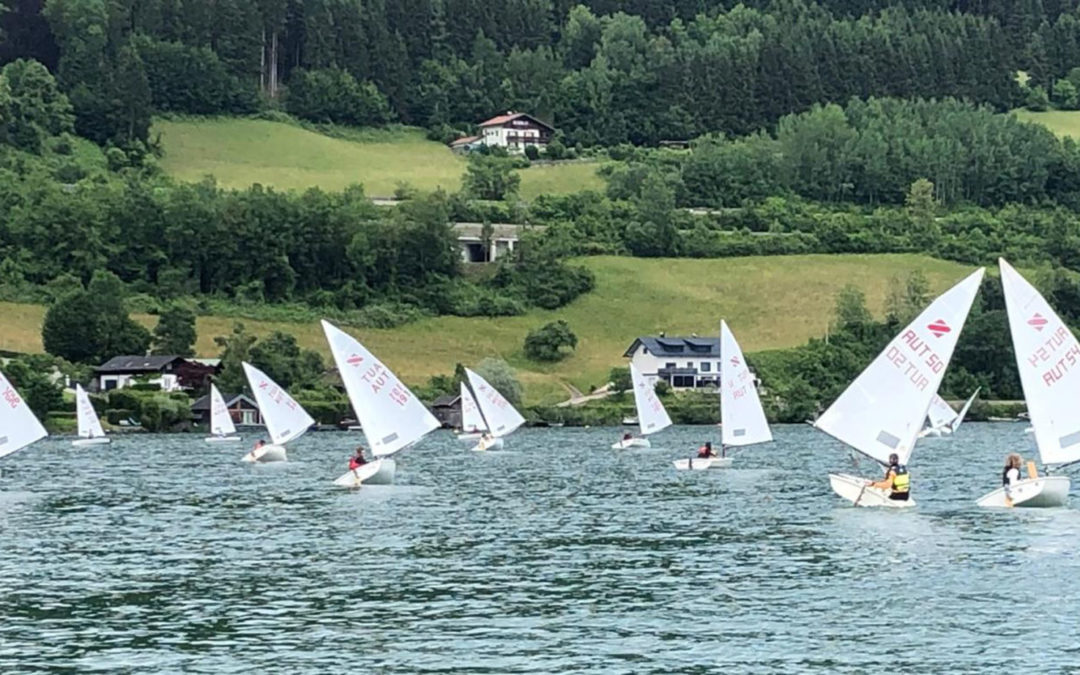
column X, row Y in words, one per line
column 446, row 401
column 137, row 364
column 510, row 116
column 676, row 346
column 204, row 402
column 464, row 140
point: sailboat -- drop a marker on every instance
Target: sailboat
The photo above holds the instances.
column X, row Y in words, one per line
column 90, row 431
column 19, row 427
column 1048, row 357
column 651, row 415
column 882, row 411
column 742, row 419
column 472, row 422
column 500, row 417
column 392, row 417
column 221, row 424
column 942, row 420
column 285, row 419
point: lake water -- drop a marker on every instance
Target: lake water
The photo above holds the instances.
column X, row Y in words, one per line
column 164, row 554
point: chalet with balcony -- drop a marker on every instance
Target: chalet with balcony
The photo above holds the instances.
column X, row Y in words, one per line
column 682, row 362
column 513, row 131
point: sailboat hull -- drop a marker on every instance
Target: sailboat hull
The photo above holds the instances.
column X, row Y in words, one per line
column 98, row 440
column 1045, row 492
column 469, row 437
column 858, row 492
column 266, row 454
column 494, row 444
column 702, row 463
column 934, row 432
column 379, row 472
column 223, row 439
column 632, row 443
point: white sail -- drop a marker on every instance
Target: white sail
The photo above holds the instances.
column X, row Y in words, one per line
column 1048, row 357
column 18, row 425
column 285, row 419
column 652, row 416
column 940, row 413
column 87, row 417
column 221, row 423
column 883, row 410
column 391, row 416
column 502, row 418
column 471, row 419
column 741, row 417
column 955, row 424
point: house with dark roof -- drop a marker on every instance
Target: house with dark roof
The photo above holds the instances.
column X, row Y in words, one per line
column 243, row 410
column 447, row 409
column 169, row 372
column 682, row 362
column 513, row 131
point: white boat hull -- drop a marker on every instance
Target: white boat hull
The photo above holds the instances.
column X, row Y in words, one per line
column 1045, row 492
column 632, row 443
column 379, row 472
column 858, row 491
column 267, row 453
column 494, row 444
column 702, row 463
column 935, row 432
column 223, row 439
column 469, row 437
column 98, row 440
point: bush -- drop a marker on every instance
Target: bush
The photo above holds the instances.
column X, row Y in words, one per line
column 546, row 343
column 532, row 152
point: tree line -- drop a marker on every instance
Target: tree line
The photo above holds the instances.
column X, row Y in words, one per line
column 616, row 72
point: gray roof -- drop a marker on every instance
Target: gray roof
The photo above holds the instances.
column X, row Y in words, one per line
column 204, row 402
column 677, row 346
column 446, row 401
column 136, row 364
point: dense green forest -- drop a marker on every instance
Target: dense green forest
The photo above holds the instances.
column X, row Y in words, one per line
column 604, row 72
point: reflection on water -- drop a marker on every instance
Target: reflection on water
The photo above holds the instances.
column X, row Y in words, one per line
column 167, row 554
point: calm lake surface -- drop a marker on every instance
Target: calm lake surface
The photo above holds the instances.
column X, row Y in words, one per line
column 166, row 554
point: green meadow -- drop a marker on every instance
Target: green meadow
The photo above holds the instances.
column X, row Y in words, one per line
column 769, row 302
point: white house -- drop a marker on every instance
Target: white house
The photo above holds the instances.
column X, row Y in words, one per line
column 682, row 362
column 168, row 373
column 514, row 131
column 470, row 236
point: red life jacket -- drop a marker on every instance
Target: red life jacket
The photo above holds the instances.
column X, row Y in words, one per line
column 355, row 464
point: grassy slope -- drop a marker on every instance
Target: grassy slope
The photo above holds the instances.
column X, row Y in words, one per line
column 1061, row 122
column 239, row 152
column 769, row 302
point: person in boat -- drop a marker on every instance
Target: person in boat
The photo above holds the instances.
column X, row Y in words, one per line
column 1010, row 476
column 706, row 451
column 486, row 439
column 358, row 460
column 896, row 481
column 258, row 444
column 627, row 437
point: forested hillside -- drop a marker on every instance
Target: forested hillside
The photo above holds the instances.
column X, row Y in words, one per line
column 605, row 72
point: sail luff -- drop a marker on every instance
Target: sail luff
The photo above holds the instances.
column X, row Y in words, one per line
column 883, row 410
column 501, row 417
column 221, row 423
column 742, row 418
column 19, row 427
column 651, row 414
column 87, row 419
column 1048, row 358
column 390, row 414
column 285, row 419
column 472, row 419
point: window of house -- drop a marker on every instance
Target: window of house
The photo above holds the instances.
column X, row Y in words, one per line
column 670, row 364
column 682, row 381
column 689, row 364
column 706, row 367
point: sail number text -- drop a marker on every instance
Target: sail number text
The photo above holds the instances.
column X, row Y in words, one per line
column 11, row 397
column 378, row 377
column 912, row 361
column 1050, row 352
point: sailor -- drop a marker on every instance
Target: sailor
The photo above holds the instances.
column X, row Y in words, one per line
column 896, row 480
column 357, row 460
column 627, row 437
column 706, row 450
column 258, row 444
column 1010, row 476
